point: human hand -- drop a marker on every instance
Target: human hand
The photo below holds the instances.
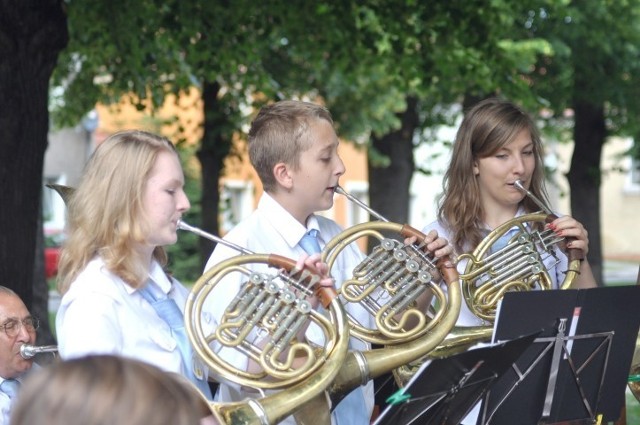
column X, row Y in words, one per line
column 570, row 228
column 438, row 246
column 315, row 265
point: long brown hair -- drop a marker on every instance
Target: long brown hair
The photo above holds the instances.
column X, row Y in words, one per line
column 105, row 210
column 486, row 128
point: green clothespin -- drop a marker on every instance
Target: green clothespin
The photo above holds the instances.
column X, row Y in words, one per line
column 634, row 378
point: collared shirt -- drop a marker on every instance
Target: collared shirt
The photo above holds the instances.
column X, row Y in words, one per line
column 270, row 229
column 554, row 267
column 101, row 314
column 5, row 402
column 5, row 405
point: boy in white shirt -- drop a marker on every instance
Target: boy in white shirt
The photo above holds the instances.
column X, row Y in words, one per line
column 294, row 149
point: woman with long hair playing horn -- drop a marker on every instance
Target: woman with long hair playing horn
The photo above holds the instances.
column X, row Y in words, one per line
column 495, row 175
column 497, row 145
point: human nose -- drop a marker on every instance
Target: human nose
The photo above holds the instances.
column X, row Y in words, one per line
column 340, row 169
column 518, row 165
column 183, row 202
column 23, row 333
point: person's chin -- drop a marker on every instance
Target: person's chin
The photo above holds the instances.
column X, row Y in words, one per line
column 169, row 239
column 325, row 205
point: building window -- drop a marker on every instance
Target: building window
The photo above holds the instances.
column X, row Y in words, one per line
column 236, row 202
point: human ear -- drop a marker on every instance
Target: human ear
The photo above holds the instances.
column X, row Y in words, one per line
column 476, row 170
column 282, row 175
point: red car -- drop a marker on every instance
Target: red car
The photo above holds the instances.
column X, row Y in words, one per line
column 52, row 242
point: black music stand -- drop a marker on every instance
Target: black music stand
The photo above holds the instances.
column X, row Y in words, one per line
column 576, row 371
column 444, row 390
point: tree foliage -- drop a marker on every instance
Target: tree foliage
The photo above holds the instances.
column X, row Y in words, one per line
column 387, row 69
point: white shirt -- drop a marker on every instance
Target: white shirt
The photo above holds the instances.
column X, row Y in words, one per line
column 270, row 229
column 101, row 314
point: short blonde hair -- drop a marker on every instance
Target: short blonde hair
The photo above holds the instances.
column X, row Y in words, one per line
column 107, row 390
column 277, row 135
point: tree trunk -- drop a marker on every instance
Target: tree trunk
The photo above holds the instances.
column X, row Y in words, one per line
column 40, row 304
column 32, row 33
column 584, row 176
column 389, row 186
column 215, row 147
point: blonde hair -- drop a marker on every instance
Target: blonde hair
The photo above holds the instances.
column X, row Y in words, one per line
column 277, row 135
column 104, row 213
column 106, row 390
column 485, row 129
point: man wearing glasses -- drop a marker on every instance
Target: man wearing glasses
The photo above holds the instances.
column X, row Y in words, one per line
column 17, row 327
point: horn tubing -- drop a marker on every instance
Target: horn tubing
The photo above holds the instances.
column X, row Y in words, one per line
column 361, row 204
column 381, row 361
column 518, row 184
column 324, row 294
column 184, row 226
column 274, row 408
column 572, row 253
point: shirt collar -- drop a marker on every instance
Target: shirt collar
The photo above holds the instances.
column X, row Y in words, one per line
column 283, row 222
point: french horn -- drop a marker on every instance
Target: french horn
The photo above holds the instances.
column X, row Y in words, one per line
column 388, row 283
column 519, row 265
column 488, row 275
column 270, row 307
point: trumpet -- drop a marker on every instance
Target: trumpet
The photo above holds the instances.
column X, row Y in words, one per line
column 272, row 305
column 30, row 351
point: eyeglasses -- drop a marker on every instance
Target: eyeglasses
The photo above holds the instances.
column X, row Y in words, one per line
column 12, row 326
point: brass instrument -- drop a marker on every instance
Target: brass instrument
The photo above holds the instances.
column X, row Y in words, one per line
column 387, row 284
column 279, row 311
column 28, row 351
column 270, row 308
column 518, row 266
